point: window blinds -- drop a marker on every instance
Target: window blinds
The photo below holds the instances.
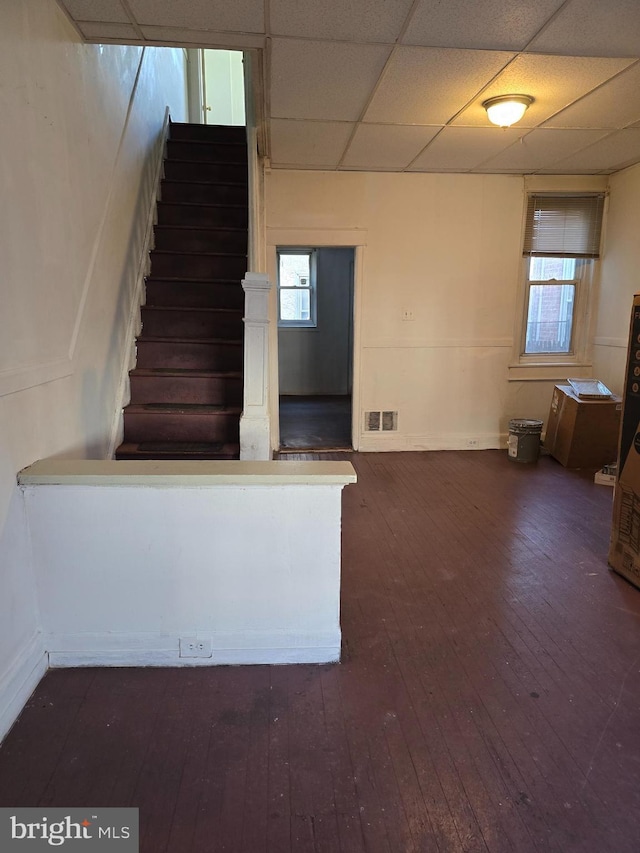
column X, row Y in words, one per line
column 568, row 225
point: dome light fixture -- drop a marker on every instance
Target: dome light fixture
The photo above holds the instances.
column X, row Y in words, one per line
column 505, row 110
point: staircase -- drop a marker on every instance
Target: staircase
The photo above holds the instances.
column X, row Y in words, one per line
column 186, row 388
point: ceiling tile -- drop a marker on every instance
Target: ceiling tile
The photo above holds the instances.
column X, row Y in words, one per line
column 387, row 146
column 615, row 104
column 323, row 80
column 541, row 149
column 97, row 10
column 358, row 20
column 199, row 38
column 554, row 82
column 428, row 85
column 593, row 28
column 241, row 15
column 464, row 148
column 95, row 31
column 490, row 24
column 613, row 152
column 316, row 144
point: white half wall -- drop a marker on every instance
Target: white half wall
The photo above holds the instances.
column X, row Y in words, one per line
column 80, row 128
column 446, row 249
column 242, row 556
column 619, row 279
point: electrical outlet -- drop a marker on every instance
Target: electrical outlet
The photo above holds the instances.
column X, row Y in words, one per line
column 190, row 647
column 407, row 314
column 472, row 442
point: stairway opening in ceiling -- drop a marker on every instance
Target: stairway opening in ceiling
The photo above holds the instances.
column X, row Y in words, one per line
column 215, row 82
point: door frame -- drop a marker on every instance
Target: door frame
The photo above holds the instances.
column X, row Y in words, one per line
column 348, row 238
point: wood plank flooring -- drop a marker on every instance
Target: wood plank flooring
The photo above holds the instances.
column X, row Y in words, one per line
column 321, row 422
column 488, row 700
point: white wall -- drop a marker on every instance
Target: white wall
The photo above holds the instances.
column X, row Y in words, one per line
column 79, row 126
column 448, row 249
column 620, row 278
column 125, row 571
column 317, row 360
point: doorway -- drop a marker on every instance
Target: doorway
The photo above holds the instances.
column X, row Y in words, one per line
column 315, row 347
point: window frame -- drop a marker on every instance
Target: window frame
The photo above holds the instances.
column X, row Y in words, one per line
column 554, row 365
column 312, row 322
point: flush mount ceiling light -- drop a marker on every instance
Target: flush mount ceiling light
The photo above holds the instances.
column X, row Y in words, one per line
column 506, row 110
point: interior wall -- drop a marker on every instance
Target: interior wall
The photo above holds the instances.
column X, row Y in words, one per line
column 316, row 360
column 441, row 272
column 620, row 278
column 79, row 127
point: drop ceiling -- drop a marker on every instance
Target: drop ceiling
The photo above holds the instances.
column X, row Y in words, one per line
column 398, row 85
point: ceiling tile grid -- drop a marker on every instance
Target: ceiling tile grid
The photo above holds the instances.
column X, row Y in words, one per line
column 398, row 85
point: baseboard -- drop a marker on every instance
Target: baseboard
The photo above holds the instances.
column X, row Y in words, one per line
column 19, row 682
column 381, row 442
column 252, row 647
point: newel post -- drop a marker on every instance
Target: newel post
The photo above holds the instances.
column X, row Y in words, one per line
column 255, row 440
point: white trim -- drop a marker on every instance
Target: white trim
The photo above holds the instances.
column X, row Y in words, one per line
column 137, row 297
column 622, row 343
column 28, row 376
column 20, row 680
column 347, row 237
column 549, row 372
column 246, row 647
column 184, row 473
column 438, row 343
column 373, row 442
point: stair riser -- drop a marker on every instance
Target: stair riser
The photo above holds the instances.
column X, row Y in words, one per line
column 195, row 456
column 204, row 390
column 176, row 265
column 206, row 172
column 189, row 355
column 200, row 240
column 161, row 426
column 191, row 324
column 202, row 215
column 208, row 133
column 189, row 294
column 178, row 191
column 207, row 152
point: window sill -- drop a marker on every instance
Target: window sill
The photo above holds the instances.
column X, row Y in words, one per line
column 546, row 372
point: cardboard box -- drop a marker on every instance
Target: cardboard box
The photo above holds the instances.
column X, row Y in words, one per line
column 582, row 433
column 624, row 551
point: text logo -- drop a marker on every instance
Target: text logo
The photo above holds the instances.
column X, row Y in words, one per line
column 33, row 829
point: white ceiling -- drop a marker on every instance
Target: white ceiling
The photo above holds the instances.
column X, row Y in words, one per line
column 397, row 85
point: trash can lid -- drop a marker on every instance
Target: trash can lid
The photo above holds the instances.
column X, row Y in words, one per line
column 525, row 423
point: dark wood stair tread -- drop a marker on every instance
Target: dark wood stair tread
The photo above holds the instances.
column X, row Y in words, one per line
column 236, row 342
column 199, row 253
column 178, row 450
column 206, row 310
column 217, row 183
column 186, row 373
column 224, row 228
column 182, row 408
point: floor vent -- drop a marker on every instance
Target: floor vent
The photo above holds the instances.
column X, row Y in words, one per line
column 380, row 421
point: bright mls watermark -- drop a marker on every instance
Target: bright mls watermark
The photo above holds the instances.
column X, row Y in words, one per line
column 73, row 829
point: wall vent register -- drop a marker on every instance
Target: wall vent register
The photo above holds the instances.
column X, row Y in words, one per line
column 381, row 421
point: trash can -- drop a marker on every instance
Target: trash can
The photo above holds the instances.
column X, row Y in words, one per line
column 524, row 439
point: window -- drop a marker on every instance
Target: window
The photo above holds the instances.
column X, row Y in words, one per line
column 296, row 287
column 561, row 244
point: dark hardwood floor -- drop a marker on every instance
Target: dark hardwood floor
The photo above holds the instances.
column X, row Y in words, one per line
column 488, row 698
column 318, row 423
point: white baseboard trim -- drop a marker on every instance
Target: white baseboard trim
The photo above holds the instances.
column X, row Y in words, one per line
column 19, row 681
column 388, row 442
column 255, row 647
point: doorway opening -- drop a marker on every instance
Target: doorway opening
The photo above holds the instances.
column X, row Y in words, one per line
column 216, row 87
column 315, row 347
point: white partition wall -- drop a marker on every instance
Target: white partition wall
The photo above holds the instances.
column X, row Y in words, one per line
column 144, row 563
